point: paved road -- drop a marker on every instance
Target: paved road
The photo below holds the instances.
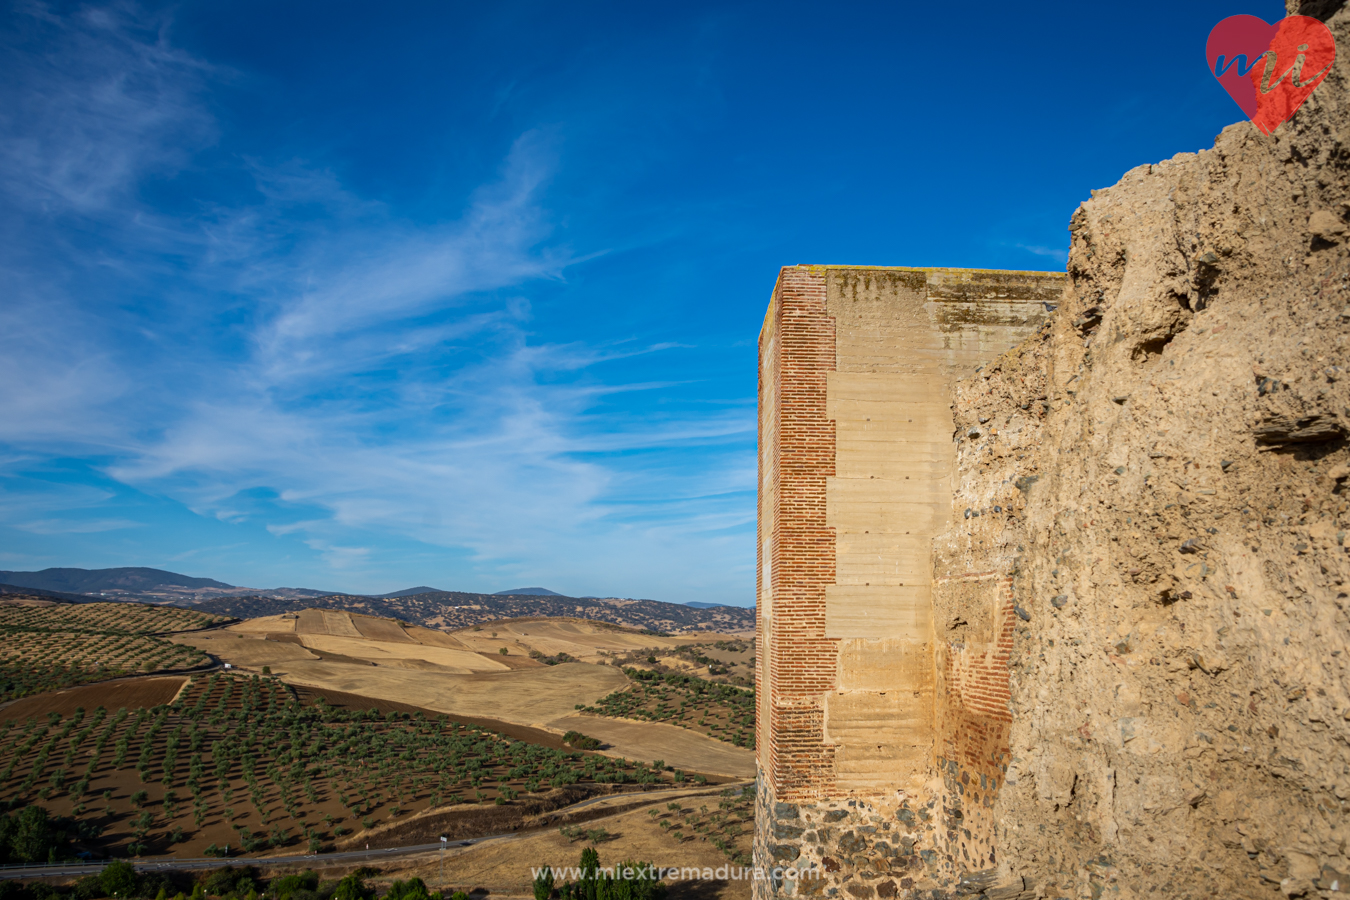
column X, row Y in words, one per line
column 166, row 863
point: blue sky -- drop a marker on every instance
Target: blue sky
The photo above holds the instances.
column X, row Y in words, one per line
column 362, row 296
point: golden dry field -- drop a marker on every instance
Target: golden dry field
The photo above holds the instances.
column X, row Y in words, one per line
column 708, row 831
column 725, row 660
column 577, row 639
column 464, row 674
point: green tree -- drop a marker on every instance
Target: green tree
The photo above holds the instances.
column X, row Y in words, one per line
column 119, row 879
column 352, row 888
column 283, row 887
column 543, row 883
column 412, row 889
column 587, row 887
column 32, row 836
column 630, row 881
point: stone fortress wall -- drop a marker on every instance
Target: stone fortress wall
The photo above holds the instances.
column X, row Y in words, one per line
column 1053, row 570
column 858, row 367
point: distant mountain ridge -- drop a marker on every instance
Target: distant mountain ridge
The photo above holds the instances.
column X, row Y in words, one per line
column 422, row 604
column 408, row 592
column 137, row 583
column 88, row 581
column 454, row 609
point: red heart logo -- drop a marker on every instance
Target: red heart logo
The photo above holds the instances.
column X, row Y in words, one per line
column 1270, row 69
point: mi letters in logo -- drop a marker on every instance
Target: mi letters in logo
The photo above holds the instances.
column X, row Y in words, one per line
column 1270, row 69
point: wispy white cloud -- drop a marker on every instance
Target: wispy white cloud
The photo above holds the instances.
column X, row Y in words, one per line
column 104, row 100
column 340, row 558
column 379, row 376
column 76, row 526
column 1058, row 254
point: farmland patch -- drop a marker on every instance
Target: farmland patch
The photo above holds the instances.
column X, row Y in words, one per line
column 717, row 710
column 44, row 648
column 241, row 761
column 130, row 692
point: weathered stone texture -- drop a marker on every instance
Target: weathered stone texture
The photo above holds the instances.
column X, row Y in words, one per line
column 856, row 466
column 1123, row 669
column 1156, row 485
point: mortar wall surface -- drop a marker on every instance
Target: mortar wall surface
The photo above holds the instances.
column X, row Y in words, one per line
column 856, row 478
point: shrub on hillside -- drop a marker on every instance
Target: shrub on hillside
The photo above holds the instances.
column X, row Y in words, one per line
column 580, row 741
column 412, row 889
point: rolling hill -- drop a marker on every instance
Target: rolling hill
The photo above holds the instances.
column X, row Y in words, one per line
column 131, row 579
column 454, row 609
column 10, row 592
column 138, row 584
column 408, row 592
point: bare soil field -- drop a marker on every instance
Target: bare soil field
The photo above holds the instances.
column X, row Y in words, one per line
column 527, row 696
column 334, row 622
column 249, row 651
column 131, row 693
column 283, row 624
column 297, row 640
column 348, row 637
column 373, row 629
column 400, row 654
